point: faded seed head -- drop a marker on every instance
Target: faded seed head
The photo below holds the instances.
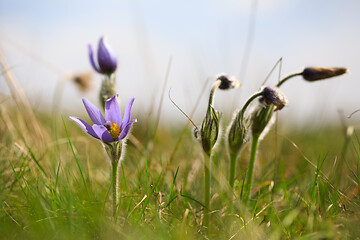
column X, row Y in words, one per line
column 83, row 81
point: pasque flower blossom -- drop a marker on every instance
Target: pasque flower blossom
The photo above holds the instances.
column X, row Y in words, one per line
column 107, row 61
column 108, row 129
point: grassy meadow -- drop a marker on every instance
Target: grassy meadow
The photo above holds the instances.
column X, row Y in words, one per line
column 55, row 183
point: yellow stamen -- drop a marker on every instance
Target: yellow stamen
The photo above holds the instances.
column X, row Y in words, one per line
column 114, row 130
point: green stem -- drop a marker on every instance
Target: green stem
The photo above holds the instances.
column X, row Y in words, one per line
column 288, row 77
column 249, row 174
column 115, row 186
column 212, row 92
column 234, row 153
column 207, row 189
column 233, row 157
column 258, row 94
column 108, row 89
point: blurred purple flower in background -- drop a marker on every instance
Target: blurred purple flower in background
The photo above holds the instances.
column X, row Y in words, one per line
column 110, row 128
column 107, row 61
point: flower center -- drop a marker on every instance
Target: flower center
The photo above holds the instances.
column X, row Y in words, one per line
column 113, row 129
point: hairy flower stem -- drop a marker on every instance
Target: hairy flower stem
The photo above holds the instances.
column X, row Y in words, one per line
column 108, row 89
column 233, row 157
column 207, row 157
column 288, row 77
column 212, row 92
column 250, row 171
column 115, row 186
column 234, row 154
column 114, row 152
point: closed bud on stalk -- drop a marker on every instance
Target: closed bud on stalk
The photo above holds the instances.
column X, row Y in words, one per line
column 209, row 130
column 261, row 118
column 318, row 73
column 237, row 133
column 106, row 58
column 273, row 95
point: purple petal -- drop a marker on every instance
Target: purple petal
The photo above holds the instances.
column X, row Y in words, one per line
column 93, row 64
column 102, row 133
column 94, row 113
column 85, row 126
column 112, row 111
column 106, row 57
column 126, row 129
column 127, row 113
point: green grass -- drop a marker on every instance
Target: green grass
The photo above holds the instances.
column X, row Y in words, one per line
column 57, row 186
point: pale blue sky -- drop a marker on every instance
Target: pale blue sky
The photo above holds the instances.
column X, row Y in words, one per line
column 204, row 38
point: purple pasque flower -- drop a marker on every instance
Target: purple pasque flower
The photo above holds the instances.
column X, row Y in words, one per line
column 106, row 57
column 110, row 128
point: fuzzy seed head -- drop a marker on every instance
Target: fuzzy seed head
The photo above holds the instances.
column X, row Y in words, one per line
column 83, row 81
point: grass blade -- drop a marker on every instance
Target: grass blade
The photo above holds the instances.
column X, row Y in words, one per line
column 76, row 160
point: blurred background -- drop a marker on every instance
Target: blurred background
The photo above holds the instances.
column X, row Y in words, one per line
column 45, row 43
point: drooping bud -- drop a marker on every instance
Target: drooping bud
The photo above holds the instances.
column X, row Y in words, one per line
column 237, row 133
column 318, row 73
column 210, row 129
column 273, row 99
column 228, row 82
column 273, row 95
column 210, row 126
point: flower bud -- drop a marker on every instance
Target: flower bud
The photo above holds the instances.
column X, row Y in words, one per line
column 228, row 82
column 261, row 118
column 273, row 95
column 237, row 133
column 106, row 57
column 318, row 73
column 210, row 129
